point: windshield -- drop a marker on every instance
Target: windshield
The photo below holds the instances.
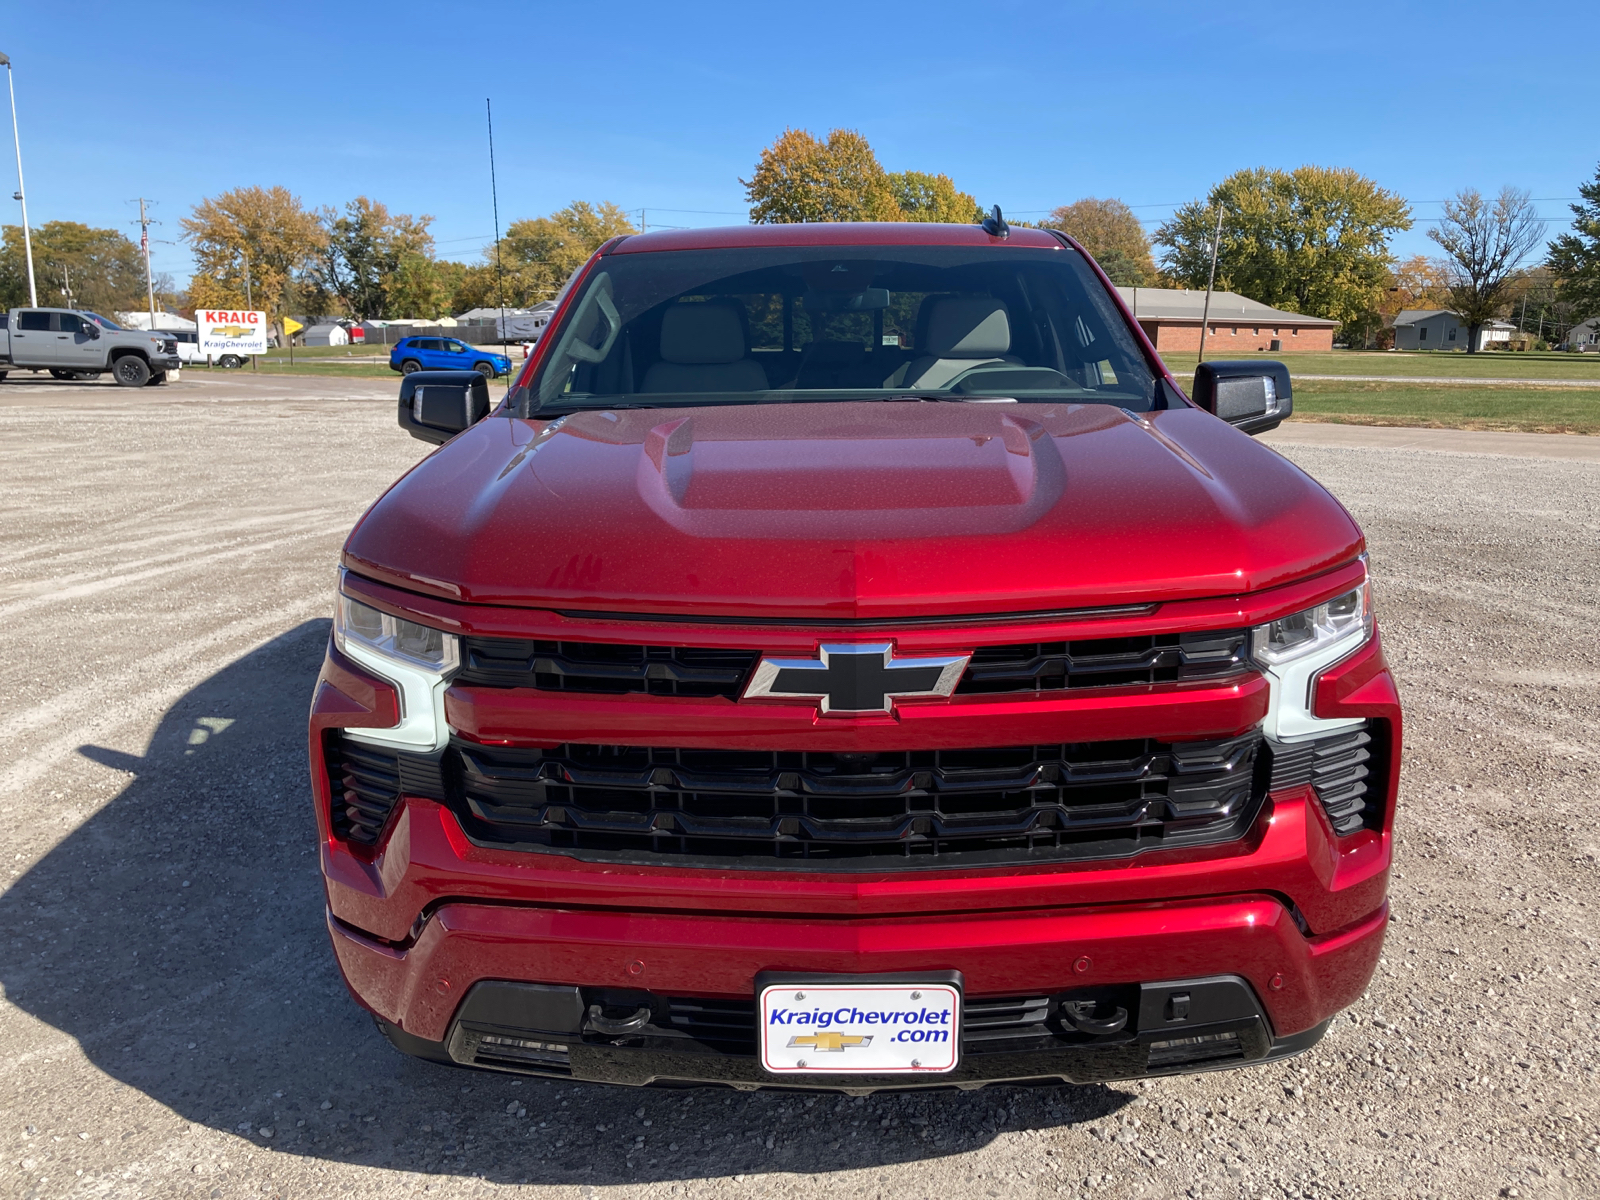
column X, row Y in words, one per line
column 804, row 324
column 103, row 322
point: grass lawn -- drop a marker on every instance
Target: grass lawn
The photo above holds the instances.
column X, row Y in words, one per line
column 1531, row 364
column 1529, row 409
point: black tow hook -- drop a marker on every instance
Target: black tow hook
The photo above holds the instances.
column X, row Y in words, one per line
column 598, row 1022
column 1080, row 1015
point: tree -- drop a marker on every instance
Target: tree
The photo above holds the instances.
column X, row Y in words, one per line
column 362, row 255
column 1313, row 240
column 1484, row 244
column 464, row 286
column 1110, row 232
column 923, row 197
column 538, row 255
column 269, row 227
column 1575, row 257
column 104, row 269
column 802, row 179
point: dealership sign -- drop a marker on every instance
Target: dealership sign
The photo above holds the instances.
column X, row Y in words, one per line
column 230, row 331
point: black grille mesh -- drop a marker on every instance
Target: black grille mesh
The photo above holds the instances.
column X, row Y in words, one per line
column 708, row 671
column 1341, row 769
column 1104, row 662
column 1012, row 804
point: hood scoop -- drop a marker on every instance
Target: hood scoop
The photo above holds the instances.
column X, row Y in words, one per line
column 1000, row 475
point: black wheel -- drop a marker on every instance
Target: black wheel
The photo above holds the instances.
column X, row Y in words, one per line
column 485, row 369
column 232, row 361
column 410, row 366
column 130, row 371
column 63, row 373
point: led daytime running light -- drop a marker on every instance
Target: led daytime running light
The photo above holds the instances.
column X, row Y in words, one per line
column 395, row 637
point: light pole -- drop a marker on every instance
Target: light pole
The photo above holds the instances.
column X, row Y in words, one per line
column 21, row 196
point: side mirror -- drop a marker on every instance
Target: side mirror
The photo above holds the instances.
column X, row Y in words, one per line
column 437, row 405
column 92, row 330
column 1249, row 394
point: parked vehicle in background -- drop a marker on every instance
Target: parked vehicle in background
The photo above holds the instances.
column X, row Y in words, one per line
column 847, row 659
column 74, row 344
column 445, row 354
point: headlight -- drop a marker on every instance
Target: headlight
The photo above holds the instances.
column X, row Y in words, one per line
column 394, row 637
column 1345, row 619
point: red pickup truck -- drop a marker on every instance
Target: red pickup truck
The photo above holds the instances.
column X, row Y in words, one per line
column 847, row 659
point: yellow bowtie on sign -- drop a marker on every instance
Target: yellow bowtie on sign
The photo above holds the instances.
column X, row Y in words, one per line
column 829, row 1041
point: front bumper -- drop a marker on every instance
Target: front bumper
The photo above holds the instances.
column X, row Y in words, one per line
column 1292, row 911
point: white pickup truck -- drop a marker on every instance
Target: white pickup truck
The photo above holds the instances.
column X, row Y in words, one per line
column 74, row 344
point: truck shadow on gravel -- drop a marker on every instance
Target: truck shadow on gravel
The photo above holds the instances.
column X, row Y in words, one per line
column 178, row 936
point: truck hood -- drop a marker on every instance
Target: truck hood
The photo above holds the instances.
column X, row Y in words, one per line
column 853, row 510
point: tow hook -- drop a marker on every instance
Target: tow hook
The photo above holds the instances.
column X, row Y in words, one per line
column 598, row 1022
column 1080, row 1014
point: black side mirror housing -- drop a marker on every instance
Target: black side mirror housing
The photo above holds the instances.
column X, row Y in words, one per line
column 437, row 405
column 92, row 330
column 1252, row 395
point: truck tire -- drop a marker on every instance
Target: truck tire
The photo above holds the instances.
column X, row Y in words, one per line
column 131, row 371
column 231, row 361
column 485, row 369
column 410, row 365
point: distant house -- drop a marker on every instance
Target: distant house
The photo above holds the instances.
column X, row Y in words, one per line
column 1170, row 318
column 164, row 320
column 1585, row 336
column 325, row 335
column 1438, row 329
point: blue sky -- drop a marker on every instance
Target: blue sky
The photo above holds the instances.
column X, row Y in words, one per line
column 665, row 107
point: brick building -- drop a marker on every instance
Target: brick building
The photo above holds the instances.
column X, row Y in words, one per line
column 1170, row 317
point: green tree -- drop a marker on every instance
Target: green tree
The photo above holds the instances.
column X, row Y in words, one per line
column 266, row 225
column 1110, row 232
column 361, row 259
column 923, row 197
column 538, row 255
column 104, row 269
column 1484, row 244
column 1575, row 257
column 1313, row 240
column 802, row 179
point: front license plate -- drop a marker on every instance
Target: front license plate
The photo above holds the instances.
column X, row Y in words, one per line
column 860, row 1028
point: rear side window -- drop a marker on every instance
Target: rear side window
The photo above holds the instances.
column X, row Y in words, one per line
column 33, row 320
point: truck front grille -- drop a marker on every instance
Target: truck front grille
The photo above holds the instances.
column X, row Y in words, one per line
column 703, row 672
column 920, row 808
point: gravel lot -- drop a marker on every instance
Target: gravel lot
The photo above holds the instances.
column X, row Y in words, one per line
column 172, row 1023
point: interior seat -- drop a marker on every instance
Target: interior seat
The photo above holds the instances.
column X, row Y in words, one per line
column 962, row 332
column 703, row 350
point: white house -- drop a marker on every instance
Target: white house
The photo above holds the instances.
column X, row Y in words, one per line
column 326, row 335
column 164, row 320
column 1585, row 336
column 1439, row 329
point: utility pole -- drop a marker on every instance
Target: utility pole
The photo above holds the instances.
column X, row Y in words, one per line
column 66, row 282
column 250, row 303
column 21, row 193
column 144, row 244
column 1205, row 312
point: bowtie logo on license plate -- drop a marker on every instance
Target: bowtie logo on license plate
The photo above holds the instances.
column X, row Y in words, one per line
column 855, row 678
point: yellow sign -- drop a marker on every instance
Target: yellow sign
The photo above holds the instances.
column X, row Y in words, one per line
column 291, row 326
column 828, row 1041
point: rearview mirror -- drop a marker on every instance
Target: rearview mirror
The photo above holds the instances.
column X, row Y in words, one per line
column 437, row 405
column 1249, row 394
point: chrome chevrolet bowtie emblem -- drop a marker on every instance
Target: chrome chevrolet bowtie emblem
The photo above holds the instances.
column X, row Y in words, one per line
column 862, row 677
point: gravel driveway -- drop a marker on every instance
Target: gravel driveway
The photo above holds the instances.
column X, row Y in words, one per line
column 172, row 1023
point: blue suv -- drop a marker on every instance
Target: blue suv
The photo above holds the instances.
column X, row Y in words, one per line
column 444, row 354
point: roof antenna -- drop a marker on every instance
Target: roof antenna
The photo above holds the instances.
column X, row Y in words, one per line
column 995, row 225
